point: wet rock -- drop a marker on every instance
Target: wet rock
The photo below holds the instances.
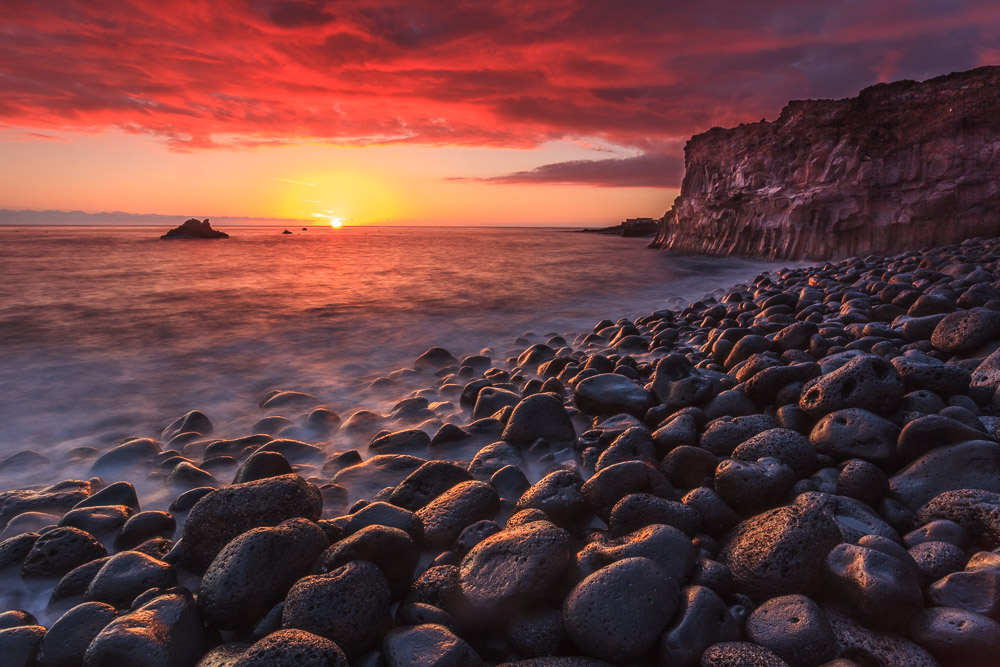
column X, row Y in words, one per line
column 957, row 636
column 60, row 550
column 923, row 434
column 781, row 551
column 349, row 606
column 603, row 491
column 510, row 483
column 882, row 587
column 14, row 549
column 866, row 381
column 969, row 465
column 932, row 375
column 978, row 512
column 788, row 447
column 618, row 612
column 255, row 570
column 262, row 465
column 702, row 619
column 188, row 499
column 117, row 459
column 463, row 504
column 292, row 648
column 427, row 644
column 936, row 560
column 539, row 416
column 66, row 642
column 369, row 477
column 507, row 572
column 966, row 330
column 668, row 547
column 145, row 526
column 76, row 581
column 795, row 629
column 855, row 433
column 279, row 399
column 435, row 357
column 611, row 394
column 390, row 549
column 99, row 521
column 559, row 495
column 411, row 440
column 716, row 516
column 940, row 530
column 426, row 483
column 193, row 422
column 226, row 513
column 491, row 400
column 723, row 435
column 384, row 514
column 165, row 632
column 638, row 510
column 125, row 575
column 15, row 618
column 862, row 481
column 19, row 646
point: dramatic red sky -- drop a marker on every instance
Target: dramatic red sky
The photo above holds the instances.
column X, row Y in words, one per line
column 425, row 111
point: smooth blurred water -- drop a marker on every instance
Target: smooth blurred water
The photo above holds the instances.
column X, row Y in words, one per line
column 110, row 332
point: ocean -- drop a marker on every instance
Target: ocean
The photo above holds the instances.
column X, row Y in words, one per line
column 108, row 332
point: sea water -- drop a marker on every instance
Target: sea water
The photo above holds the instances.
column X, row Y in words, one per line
column 109, row 332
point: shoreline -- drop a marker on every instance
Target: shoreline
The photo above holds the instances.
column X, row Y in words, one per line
column 807, row 434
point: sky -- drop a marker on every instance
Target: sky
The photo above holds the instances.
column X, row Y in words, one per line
column 425, row 111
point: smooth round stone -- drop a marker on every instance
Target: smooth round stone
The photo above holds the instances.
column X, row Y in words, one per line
column 855, row 433
column 638, row 510
column 401, row 442
column 98, row 520
column 976, row 588
column 923, row 434
column 789, row 447
column 226, row 513
column 635, row 444
column 618, row 612
column 145, row 526
column 969, row 465
column 349, row 606
column 510, row 570
column 939, row 559
column 702, row 619
column 941, row 530
column 60, row 550
column 435, row 357
column 795, row 629
column 446, row 516
column 781, row 551
column 862, row 480
column 957, row 636
column 67, row 640
column 603, row 491
column 127, row 455
column 611, row 394
column 383, row 514
column 262, row 465
column 559, row 494
column 165, row 631
column 688, row 467
column 723, row 435
column 426, row 483
column 292, row 648
column 15, row 618
column 19, row 646
column 255, row 570
column 126, row 575
column 539, row 416
column 492, row 458
column 427, row 644
column 717, row 517
column 753, row 486
column 391, row 549
column 491, row 400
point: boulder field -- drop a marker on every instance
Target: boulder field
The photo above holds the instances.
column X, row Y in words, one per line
column 801, row 470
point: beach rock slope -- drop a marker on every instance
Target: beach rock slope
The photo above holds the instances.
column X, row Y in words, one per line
column 902, row 165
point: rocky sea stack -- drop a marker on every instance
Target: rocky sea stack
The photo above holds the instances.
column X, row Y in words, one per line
column 194, row 229
column 902, row 165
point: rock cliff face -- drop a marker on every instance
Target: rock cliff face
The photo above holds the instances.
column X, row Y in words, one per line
column 902, row 165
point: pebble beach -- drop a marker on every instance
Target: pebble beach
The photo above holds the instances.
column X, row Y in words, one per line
column 802, row 469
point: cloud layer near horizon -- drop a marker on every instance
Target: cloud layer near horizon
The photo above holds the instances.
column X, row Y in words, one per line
column 639, row 75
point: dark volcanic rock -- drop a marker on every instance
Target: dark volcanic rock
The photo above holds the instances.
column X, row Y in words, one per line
column 611, row 394
column 781, row 551
column 702, row 619
column 126, row 575
column 427, row 644
column 255, row 570
column 222, row 515
column 965, row 330
column 867, row 381
column 390, row 549
column 957, row 636
column 618, row 612
column 446, row 516
column 292, row 648
column 969, row 465
column 795, row 629
column 349, row 606
column 165, row 632
column 539, row 416
column 194, row 229
column 19, row 645
column 60, row 550
column 882, row 587
column 740, row 654
column 893, row 158
column 978, row 512
column 67, row 640
column 508, row 571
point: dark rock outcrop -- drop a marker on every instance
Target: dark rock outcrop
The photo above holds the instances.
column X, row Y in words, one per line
column 194, row 229
column 902, row 164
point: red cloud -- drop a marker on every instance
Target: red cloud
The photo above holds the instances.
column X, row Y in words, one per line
column 641, row 74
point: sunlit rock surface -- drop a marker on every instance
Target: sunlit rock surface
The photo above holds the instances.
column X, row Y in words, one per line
column 901, row 166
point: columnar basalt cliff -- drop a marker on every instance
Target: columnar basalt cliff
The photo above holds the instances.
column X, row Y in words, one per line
column 902, row 165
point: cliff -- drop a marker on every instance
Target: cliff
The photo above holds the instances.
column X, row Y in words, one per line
column 902, row 165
